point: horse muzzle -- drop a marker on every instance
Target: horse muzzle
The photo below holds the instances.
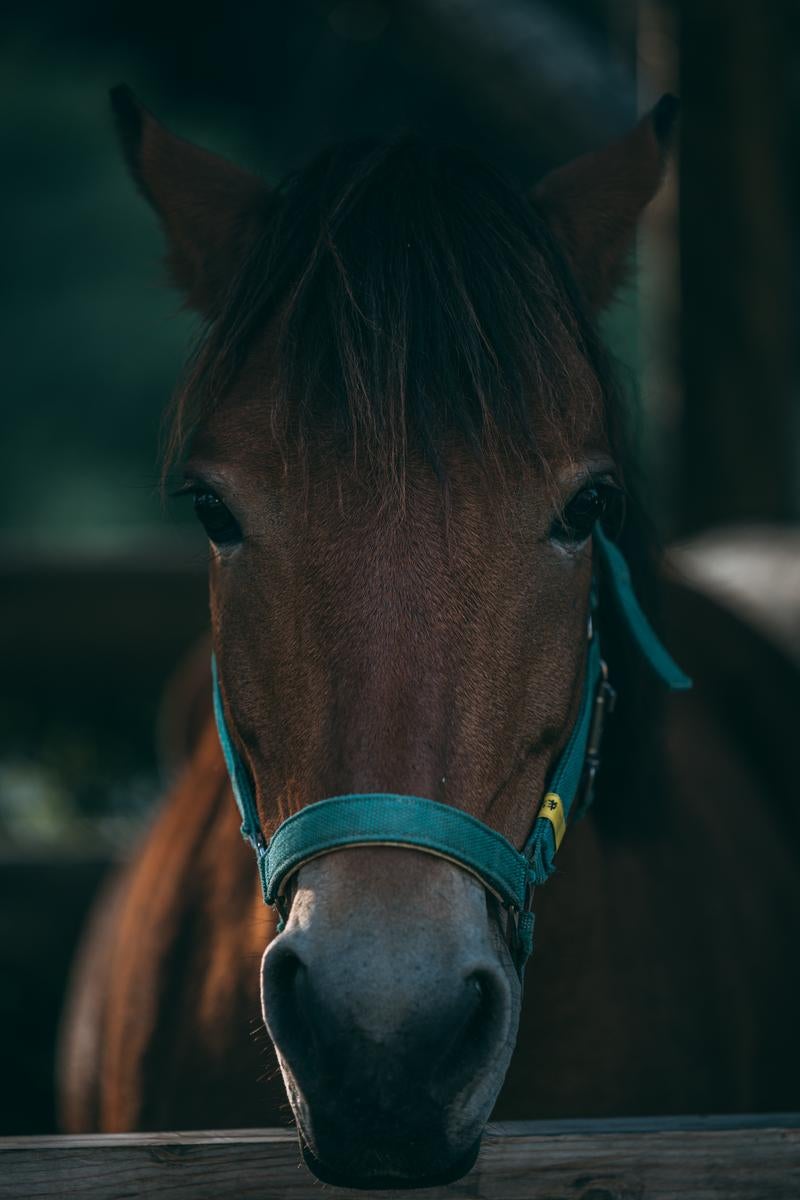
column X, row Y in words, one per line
column 394, row 1010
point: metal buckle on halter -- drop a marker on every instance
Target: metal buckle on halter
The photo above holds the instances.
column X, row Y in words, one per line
column 604, row 702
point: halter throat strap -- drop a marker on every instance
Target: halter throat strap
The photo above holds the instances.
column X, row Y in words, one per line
column 647, row 640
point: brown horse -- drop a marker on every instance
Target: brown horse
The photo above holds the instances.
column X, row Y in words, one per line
column 402, row 431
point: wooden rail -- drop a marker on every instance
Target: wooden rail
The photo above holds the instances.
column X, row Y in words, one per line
column 705, row 1158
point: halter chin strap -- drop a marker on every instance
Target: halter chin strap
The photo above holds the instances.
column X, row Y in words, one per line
column 387, row 819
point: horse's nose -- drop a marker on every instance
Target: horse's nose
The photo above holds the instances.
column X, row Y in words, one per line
column 393, row 1021
column 382, row 1040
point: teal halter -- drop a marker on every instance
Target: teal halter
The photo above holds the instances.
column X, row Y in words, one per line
column 447, row 832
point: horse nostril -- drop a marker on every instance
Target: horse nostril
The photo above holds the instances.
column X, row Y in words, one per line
column 474, row 1040
column 283, row 967
column 478, row 1001
column 284, row 984
column 478, row 982
column 485, row 986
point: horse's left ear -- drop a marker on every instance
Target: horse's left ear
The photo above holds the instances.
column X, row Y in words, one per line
column 593, row 203
column 209, row 208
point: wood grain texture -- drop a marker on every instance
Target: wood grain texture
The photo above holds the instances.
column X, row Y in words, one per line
column 705, row 1158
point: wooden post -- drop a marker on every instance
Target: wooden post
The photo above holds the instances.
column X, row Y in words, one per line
column 705, row 1158
column 658, row 278
column 740, row 429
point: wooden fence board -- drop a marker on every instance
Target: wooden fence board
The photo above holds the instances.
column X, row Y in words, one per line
column 738, row 1158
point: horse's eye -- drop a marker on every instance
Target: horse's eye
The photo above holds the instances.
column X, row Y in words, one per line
column 597, row 501
column 217, row 520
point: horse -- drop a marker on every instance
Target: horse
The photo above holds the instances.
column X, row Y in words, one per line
column 404, row 439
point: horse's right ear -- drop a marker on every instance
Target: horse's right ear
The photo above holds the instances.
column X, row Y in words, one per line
column 209, row 208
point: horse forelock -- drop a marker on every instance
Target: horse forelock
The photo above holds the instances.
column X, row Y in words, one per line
column 410, row 296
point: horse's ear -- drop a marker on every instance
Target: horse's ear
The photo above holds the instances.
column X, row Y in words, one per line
column 209, row 208
column 593, row 203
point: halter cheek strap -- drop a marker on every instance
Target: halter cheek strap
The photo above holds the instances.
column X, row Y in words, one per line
column 237, row 771
column 396, row 820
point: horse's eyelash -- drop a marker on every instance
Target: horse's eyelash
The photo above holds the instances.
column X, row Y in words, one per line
column 606, row 480
column 189, row 488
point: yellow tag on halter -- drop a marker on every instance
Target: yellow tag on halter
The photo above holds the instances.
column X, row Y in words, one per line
column 553, row 810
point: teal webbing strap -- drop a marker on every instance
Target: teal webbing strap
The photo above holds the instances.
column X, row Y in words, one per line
column 239, row 777
column 567, row 775
column 640, row 628
column 380, row 818
column 541, row 847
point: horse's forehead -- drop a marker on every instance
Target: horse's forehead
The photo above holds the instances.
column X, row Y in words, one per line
column 324, row 502
column 243, row 430
column 325, row 482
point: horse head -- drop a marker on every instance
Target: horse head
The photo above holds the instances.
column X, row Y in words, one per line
column 401, row 437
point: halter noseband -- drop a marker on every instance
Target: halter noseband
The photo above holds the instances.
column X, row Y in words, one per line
column 447, row 832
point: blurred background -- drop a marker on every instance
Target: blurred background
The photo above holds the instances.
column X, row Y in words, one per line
column 102, row 587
